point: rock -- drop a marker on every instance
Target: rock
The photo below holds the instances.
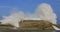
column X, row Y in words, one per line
column 31, row 25
column 6, row 26
column 36, row 25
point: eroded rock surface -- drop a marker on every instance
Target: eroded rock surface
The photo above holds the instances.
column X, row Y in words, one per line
column 36, row 25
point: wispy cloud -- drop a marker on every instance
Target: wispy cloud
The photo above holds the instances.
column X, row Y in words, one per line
column 4, row 7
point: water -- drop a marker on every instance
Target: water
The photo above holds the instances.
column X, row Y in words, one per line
column 55, row 28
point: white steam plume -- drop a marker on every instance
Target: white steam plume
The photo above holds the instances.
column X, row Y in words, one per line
column 45, row 12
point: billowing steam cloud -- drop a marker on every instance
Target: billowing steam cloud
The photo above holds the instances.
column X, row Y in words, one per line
column 43, row 12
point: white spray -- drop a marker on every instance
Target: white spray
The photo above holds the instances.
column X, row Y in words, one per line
column 13, row 19
column 43, row 12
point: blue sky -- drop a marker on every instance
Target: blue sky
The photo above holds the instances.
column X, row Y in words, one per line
column 28, row 6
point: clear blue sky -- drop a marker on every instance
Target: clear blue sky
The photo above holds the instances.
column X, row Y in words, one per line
column 27, row 6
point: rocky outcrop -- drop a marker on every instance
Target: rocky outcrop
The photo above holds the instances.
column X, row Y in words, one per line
column 31, row 25
column 36, row 25
column 6, row 26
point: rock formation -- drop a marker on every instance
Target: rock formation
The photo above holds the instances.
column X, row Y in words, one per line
column 36, row 25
